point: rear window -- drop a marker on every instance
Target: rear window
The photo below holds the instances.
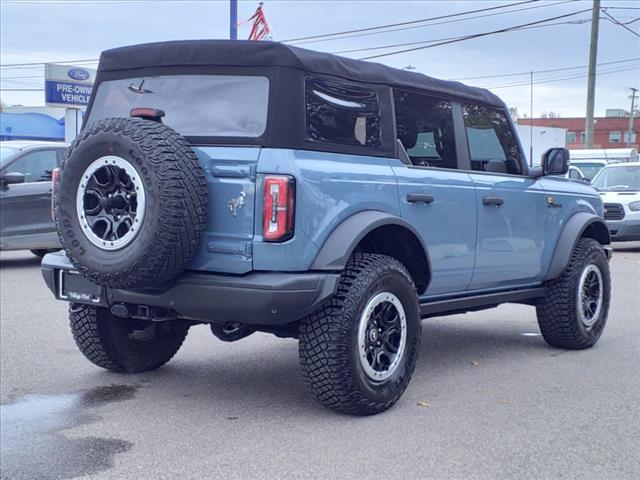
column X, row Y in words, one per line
column 343, row 113
column 195, row 105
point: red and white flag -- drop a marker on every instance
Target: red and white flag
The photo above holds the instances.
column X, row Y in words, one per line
column 260, row 29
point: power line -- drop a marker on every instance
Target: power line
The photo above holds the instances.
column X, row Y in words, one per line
column 476, row 35
column 614, row 20
column 421, row 42
column 411, row 22
column 515, row 74
column 431, row 24
column 35, row 65
column 559, row 79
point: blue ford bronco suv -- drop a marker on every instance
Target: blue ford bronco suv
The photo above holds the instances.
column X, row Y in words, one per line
column 254, row 186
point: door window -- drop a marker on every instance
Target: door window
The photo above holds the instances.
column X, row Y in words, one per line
column 492, row 145
column 35, row 166
column 342, row 113
column 425, row 127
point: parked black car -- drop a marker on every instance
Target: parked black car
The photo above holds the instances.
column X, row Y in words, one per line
column 25, row 195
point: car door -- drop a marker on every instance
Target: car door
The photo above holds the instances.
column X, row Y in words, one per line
column 512, row 208
column 26, row 207
column 435, row 196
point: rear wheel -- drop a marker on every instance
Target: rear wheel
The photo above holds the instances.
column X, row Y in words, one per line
column 132, row 202
column 358, row 353
column 574, row 312
column 124, row 344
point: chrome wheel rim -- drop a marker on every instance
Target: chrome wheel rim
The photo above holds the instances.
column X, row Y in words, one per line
column 382, row 336
column 590, row 295
column 110, row 203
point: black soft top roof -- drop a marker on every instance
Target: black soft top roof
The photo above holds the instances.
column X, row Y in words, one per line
column 255, row 54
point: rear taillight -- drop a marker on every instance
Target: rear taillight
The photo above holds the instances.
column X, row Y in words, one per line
column 55, row 179
column 279, row 205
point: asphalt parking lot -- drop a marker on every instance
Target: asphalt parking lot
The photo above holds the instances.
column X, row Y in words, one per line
column 489, row 399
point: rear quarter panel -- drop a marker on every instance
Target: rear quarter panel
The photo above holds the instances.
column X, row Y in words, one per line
column 329, row 188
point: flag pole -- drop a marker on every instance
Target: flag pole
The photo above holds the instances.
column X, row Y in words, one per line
column 233, row 19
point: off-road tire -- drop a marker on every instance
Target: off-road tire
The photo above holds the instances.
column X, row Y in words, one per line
column 175, row 196
column 557, row 312
column 105, row 339
column 328, row 338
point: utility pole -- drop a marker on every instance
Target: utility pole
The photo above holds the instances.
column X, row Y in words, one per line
column 591, row 82
column 233, row 19
column 531, row 124
column 633, row 105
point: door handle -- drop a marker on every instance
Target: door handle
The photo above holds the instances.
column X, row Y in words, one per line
column 419, row 198
column 497, row 201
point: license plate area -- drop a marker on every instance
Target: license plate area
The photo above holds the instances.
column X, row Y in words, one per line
column 73, row 287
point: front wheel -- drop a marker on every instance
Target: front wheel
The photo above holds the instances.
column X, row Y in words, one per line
column 124, row 344
column 358, row 353
column 574, row 312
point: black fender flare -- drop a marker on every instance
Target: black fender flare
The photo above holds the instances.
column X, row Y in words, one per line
column 344, row 239
column 575, row 228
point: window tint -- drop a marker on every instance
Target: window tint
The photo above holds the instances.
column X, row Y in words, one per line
column 425, row 127
column 35, row 166
column 343, row 113
column 194, row 105
column 492, row 144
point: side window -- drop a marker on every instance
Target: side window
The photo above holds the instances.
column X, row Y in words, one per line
column 339, row 112
column 425, row 127
column 35, row 166
column 492, row 144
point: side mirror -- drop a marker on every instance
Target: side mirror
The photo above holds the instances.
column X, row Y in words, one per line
column 555, row 161
column 11, row 177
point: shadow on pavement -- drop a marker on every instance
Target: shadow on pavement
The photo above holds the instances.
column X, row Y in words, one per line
column 270, row 381
column 26, row 260
column 626, row 247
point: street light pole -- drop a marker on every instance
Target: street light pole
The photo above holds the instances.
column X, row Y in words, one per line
column 233, row 19
column 591, row 81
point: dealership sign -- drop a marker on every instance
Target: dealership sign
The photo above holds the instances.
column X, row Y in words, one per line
column 68, row 86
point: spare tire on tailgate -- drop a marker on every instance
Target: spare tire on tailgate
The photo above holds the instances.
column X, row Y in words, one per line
column 131, row 203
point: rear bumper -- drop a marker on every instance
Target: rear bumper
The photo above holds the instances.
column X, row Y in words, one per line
column 624, row 230
column 259, row 298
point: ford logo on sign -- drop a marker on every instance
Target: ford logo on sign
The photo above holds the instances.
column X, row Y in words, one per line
column 79, row 74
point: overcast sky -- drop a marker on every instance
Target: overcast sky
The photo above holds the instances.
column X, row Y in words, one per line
column 49, row 31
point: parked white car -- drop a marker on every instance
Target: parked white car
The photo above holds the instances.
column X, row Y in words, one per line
column 619, row 186
column 589, row 168
column 574, row 173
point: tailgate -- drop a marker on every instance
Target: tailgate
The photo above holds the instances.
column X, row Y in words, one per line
column 227, row 243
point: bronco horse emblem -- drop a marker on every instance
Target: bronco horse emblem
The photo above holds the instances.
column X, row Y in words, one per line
column 236, row 203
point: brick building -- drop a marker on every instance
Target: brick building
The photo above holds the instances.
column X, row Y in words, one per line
column 609, row 132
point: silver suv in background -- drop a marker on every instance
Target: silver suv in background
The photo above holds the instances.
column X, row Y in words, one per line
column 25, row 195
column 619, row 187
